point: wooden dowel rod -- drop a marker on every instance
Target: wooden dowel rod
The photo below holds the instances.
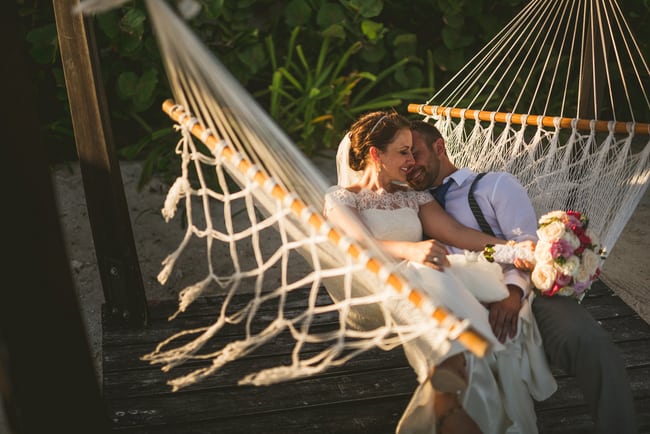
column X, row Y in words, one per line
column 547, row 121
column 471, row 339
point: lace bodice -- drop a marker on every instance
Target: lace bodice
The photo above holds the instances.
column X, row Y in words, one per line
column 369, row 199
column 389, row 216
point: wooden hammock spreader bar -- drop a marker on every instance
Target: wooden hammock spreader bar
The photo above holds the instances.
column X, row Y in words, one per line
column 547, row 121
column 469, row 338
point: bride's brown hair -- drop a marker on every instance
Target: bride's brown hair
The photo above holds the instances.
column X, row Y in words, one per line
column 373, row 129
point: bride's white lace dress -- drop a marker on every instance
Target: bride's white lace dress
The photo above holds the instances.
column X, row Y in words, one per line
column 520, row 365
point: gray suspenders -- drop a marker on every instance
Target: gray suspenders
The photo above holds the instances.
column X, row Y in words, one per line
column 476, row 210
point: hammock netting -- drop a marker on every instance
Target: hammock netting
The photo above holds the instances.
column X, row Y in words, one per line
column 255, row 200
column 558, row 99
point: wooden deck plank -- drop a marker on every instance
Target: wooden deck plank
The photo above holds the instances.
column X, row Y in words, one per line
column 126, row 357
column 372, row 416
column 367, row 394
column 576, row 419
column 242, row 401
column 203, row 312
column 151, row 381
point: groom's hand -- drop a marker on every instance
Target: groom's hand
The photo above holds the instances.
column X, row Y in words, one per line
column 504, row 314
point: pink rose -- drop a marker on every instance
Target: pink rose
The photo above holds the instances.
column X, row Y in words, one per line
column 561, row 247
column 578, row 230
column 575, row 214
column 562, row 279
column 556, row 288
column 572, row 239
column 573, row 223
column 585, row 241
column 580, row 287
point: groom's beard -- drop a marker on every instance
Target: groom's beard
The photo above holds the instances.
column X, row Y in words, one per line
column 419, row 179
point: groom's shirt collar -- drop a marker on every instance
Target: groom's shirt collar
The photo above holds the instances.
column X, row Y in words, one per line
column 459, row 177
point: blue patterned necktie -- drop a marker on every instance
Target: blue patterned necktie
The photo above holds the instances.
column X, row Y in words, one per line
column 440, row 192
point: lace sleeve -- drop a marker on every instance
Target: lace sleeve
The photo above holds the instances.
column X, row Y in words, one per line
column 423, row 197
column 338, row 196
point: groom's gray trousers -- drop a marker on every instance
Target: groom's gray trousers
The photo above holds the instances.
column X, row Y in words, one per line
column 576, row 343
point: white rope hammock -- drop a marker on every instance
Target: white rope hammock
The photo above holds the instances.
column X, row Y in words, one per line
column 555, row 99
column 255, row 199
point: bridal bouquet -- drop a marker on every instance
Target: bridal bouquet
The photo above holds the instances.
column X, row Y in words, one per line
column 566, row 259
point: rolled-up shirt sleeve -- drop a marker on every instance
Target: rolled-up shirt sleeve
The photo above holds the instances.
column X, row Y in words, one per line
column 517, row 221
column 513, row 276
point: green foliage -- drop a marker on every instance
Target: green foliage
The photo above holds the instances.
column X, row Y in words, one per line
column 314, row 100
column 53, row 113
column 44, row 43
column 313, row 64
column 132, row 68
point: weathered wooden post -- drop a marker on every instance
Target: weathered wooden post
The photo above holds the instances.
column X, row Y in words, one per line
column 107, row 208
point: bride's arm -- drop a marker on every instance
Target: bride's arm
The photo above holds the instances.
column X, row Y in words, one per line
column 428, row 252
column 349, row 220
column 436, row 223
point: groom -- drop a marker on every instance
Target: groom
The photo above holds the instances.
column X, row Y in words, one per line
column 573, row 340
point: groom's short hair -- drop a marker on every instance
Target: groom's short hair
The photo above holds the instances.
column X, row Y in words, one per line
column 427, row 131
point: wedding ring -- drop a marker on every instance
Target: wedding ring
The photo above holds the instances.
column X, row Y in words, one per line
column 434, row 259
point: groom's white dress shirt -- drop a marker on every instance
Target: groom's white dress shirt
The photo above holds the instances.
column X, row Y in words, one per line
column 516, row 224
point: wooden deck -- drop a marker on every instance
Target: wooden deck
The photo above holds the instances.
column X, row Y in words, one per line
column 367, row 395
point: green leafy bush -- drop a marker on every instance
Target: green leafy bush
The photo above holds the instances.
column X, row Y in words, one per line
column 313, row 64
column 314, row 100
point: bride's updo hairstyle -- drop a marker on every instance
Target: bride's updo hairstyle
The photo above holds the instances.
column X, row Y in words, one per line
column 376, row 129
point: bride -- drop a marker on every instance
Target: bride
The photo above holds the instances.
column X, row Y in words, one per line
column 458, row 392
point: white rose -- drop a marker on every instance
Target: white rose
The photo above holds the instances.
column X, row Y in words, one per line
column 572, row 239
column 547, row 218
column 570, row 267
column 551, row 232
column 594, row 238
column 543, row 253
column 583, row 274
column 590, row 261
column 543, row 276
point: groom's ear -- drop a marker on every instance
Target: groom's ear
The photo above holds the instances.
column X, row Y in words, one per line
column 439, row 147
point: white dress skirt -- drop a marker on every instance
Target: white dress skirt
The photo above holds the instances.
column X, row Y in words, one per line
column 504, row 383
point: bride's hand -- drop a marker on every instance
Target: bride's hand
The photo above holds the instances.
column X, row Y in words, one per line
column 430, row 253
